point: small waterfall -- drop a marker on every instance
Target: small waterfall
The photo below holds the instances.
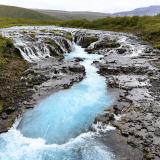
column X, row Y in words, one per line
column 35, row 45
column 33, row 53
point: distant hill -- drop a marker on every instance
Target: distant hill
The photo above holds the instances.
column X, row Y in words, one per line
column 150, row 11
column 17, row 12
column 66, row 15
column 40, row 14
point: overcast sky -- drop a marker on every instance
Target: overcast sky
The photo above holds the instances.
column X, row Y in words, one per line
column 83, row 5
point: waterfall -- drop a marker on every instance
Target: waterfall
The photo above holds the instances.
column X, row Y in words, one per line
column 35, row 45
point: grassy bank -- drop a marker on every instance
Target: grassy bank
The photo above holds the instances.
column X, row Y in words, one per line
column 9, row 22
column 11, row 69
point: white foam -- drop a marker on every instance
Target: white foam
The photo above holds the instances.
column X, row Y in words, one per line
column 100, row 127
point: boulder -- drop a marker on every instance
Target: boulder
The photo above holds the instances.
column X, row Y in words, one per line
column 85, row 41
column 157, row 132
column 106, row 44
column 76, row 68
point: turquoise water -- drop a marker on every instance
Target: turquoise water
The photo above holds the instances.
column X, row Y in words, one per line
column 57, row 129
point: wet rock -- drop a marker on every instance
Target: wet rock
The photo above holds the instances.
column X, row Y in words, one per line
column 112, row 82
column 157, row 132
column 77, row 59
column 131, row 141
column 77, row 69
column 148, row 50
column 4, row 116
column 85, row 40
column 121, row 50
column 106, row 43
column 10, row 110
column 119, row 107
column 102, row 44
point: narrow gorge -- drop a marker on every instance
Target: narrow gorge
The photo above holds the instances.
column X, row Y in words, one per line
column 89, row 95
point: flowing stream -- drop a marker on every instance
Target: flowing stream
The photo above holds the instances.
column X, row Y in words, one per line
column 58, row 127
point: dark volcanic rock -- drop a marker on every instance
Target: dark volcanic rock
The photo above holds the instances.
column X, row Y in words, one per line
column 106, row 43
column 77, row 69
column 85, row 40
column 121, row 50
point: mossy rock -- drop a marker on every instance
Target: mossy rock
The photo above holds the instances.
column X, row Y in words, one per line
column 57, row 32
column 32, row 35
column 44, row 30
column 69, row 36
column 7, row 47
column 158, row 65
column 87, row 40
column 106, row 44
column 55, row 49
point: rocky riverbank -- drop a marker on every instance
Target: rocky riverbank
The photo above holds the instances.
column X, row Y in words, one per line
column 129, row 66
column 132, row 78
column 23, row 84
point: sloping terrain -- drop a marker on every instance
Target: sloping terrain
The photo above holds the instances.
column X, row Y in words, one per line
column 66, row 15
column 17, row 12
column 40, row 14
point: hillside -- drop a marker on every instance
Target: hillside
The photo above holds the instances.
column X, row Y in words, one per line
column 17, row 12
column 40, row 14
column 66, row 15
column 150, row 11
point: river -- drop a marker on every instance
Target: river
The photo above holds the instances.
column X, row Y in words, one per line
column 58, row 127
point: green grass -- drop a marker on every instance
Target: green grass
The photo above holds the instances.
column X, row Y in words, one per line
column 12, row 66
column 9, row 22
column 17, row 12
column 5, row 44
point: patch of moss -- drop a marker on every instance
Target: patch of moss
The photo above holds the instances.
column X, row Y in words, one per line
column 157, row 45
column 1, row 106
column 2, row 62
column 32, row 35
column 87, row 40
column 158, row 65
column 69, row 36
column 44, row 30
column 56, row 32
column 56, row 51
column 12, row 67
